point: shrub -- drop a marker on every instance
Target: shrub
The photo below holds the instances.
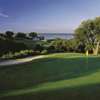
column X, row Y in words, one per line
column 11, row 46
column 8, row 55
column 20, row 54
column 44, row 52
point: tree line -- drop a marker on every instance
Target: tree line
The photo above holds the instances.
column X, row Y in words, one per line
column 11, row 47
column 86, row 39
column 10, row 35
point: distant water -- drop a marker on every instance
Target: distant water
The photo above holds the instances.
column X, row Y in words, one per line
column 57, row 35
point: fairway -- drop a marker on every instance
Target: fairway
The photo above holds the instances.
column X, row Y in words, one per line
column 65, row 76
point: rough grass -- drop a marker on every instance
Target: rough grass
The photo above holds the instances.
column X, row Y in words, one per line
column 56, row 77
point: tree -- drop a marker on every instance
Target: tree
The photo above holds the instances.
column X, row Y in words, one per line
column 20, row 35
column 58, row 45
column 33, row 35
column 41, row 37
column 2, row 36
column 88, row 34
column 9, row 34
column 71, row 45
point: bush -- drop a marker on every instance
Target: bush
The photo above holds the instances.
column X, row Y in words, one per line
column 20, row 54
column 11, row 46
column 44, row 52
column 8, row 55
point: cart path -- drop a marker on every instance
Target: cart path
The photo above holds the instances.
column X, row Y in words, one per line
column 20, row 61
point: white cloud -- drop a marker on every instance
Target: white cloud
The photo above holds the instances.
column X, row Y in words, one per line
column 3, row 15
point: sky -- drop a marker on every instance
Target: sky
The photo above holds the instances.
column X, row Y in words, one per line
column 43, row 16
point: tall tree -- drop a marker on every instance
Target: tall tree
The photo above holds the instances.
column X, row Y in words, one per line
column 88, row 33
column 33, row 35
column 9, row 34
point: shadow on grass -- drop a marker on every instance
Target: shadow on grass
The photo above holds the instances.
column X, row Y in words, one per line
column 46, row 70
column 88, row 92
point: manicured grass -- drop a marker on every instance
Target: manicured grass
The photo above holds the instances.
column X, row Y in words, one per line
column 56, row 77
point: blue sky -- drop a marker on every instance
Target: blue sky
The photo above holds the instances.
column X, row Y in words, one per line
column 46, row 15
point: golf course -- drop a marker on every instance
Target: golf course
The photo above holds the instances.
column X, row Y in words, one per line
column 62, row 76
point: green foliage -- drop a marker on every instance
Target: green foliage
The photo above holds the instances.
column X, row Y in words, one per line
column 60, row 45
column 2, row 36
column 8, row 55
column 19, row 54
column 39, row 47
column 20, row 35
column 9, row 34
column 33, row 35
column 44, row 52
column 88, row 33
column 7, row 46
column 71, row 45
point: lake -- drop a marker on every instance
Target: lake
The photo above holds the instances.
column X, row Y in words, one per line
column 57, row 35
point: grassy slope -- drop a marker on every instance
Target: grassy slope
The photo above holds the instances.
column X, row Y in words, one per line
column 58, row 77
